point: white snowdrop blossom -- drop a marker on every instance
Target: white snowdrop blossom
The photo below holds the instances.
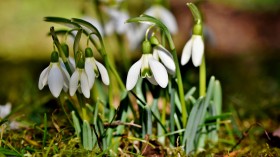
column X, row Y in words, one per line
column 162, row 54
column 5, row 110
column 194, row 48
column 116, row 22
column 147, row 67
column 165, row 16
column 79, row 79
column 55, row 76
column 93, row 68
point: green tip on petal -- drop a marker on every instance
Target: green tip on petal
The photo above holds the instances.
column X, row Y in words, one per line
column 54, row 56
column 146, row 47
column 154, row 40
column 65, row 49
column 88, row 52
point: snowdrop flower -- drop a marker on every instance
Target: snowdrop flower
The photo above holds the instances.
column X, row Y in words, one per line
column 133, row 32
column 147, row 67
column 79, row 79
column 116, row 22
column 93, row 68
column 165, row 16
column 55, row 76
column 5, row 110
column 162, row 54
column 194, row 48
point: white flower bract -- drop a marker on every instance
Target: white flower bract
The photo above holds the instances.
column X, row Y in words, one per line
column 148, row 67
column 194, row 48
column 56, row 77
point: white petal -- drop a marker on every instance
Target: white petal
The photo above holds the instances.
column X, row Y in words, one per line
column 133, row 75
column 84, row 84
column 90, row 72
column 109, row 27
column 72, row 63
column 5, row 110
column 169, row 20
column 152, row 80
column 186, row 54
column 159, row 72
column 197, row 50
column 74, row 80
column 166, row 58
column 103, row 72
column 120, row 23
column 66, row 77
column 43, row 78
column 55, row 80
column 135, row 34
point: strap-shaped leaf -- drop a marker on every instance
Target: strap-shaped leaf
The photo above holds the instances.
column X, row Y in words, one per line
column 148, row 19
column 89, row 26
column 77, row 40
column 87, row 136
column 62, row 21
column 76, row 123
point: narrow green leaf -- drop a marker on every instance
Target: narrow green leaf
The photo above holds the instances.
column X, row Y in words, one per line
column 192, row 125
column 45, row 130
column 77, row 40
column 87, row 136
column 62, row 21
column 190, row 93
column 89, row 26
column 218, row 97
column 148, row 19
column 76, row 123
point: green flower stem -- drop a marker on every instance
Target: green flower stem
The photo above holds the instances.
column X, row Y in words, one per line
column 179, row 78
column 114, row 71
column 202, row 78
column 101, row 49
column 122, row 51
column 66, row 63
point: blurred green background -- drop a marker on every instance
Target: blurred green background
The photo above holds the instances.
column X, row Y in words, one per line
column 242, row 51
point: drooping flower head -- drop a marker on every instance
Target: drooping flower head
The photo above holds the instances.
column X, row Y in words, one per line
column 95, row 69
column 56, row 77
column 147, row 67
column 79, row 78
column 86, row 71
column 194, row 47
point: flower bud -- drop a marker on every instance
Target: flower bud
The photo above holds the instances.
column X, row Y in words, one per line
column 88, row 52
column 54, row 57
column 65, row 49
column 154, row 40
column 146, row 47
column 80, row 60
